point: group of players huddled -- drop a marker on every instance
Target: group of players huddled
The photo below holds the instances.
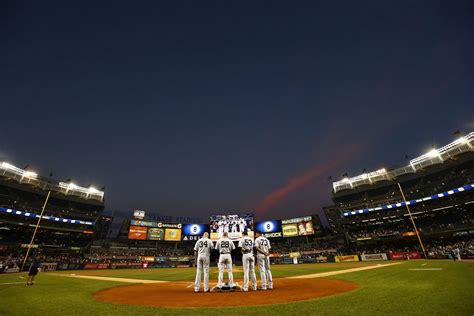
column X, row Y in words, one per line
column 261, row 245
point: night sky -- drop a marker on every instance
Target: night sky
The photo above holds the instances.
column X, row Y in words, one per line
column 193, row 108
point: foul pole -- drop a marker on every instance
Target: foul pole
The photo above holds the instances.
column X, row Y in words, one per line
column 34, row 233
column 412, row 220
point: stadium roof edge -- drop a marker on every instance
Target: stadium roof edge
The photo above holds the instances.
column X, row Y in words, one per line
column 32, row 178
column 434, row 156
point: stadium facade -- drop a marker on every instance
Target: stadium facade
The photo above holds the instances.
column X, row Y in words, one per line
column 370, row 212
column 72, row 216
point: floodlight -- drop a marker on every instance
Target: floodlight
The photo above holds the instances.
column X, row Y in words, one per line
column 93, row 190
column 30, row 174
column 433, row 153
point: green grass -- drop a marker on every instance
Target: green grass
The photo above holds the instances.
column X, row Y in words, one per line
column 391, row 290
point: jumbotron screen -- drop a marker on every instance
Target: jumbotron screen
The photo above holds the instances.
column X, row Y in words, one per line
column 192, row 232
column 269, row 229
column 300, row 226
column 234, row 225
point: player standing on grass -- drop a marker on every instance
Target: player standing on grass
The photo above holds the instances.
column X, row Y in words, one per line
column 202, row 253
column 262, row 246
column 225, row 246
column 248, row 261
column 34, row 269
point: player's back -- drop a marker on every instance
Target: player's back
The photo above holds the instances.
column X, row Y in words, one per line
column 263, row 244
column 203, row 246
column 246, row 243
column 225, row 246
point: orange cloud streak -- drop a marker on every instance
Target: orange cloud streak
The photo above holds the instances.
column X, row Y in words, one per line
column 301, row 180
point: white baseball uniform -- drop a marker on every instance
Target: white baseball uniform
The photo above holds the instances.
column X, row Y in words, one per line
column 248, row 262
column 242, row 225
column 263, row 262
column 203, row 248
column 221, row 228
column 225, row 247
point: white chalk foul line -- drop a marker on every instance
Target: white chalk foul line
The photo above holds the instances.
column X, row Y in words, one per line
column 330, row 273
column 10, row 283
column 92, row 277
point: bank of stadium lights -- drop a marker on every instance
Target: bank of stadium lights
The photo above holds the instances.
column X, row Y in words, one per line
column 23, row 173
column 73, row 186
column 433, row 153
column 69, row 186
column 434, row 156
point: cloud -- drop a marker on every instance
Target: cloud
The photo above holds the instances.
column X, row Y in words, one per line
column 340, row 157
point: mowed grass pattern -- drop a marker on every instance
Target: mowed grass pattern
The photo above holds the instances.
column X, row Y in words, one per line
column 385, row 291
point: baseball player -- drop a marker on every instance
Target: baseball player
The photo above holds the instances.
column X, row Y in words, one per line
column 242, row 225
column 225, row 246
column 262, row 246
column 248, row 261
column 221, row 228
column 234, row 226
column 202, row 252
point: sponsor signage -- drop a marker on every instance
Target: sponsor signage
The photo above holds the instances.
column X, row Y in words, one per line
column 137, row 233
column 290, row 230
column 156, row 234
column 349, row 258
column 148, row 259
column 269, row 229
column 173, row 234
column 300, row 226
column 137, row 222
column 373, row 257
column 90, row 266
column 403, row 255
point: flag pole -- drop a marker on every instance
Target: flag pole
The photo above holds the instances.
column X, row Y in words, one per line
column 412, row 220
column 34, row 233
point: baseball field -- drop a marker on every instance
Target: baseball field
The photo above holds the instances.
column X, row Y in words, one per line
column 418, row 287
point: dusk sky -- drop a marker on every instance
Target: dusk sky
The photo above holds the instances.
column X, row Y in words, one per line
column 192, row 108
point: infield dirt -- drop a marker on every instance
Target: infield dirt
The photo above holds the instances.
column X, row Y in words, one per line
column 179, row 294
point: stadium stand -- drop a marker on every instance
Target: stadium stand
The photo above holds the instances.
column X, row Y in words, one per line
column 438, row 188
column 71, row 221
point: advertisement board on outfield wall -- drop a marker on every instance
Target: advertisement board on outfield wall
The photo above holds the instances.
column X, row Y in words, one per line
column 346, row 258
column 403, row 255
column 373, row 256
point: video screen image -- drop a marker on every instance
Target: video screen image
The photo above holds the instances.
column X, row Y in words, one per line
column 269, row 229
column 234, row 225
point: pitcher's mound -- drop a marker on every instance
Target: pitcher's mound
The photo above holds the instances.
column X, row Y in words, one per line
column 178, row 294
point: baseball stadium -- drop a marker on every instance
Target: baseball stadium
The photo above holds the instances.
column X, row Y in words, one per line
column 398, row 241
